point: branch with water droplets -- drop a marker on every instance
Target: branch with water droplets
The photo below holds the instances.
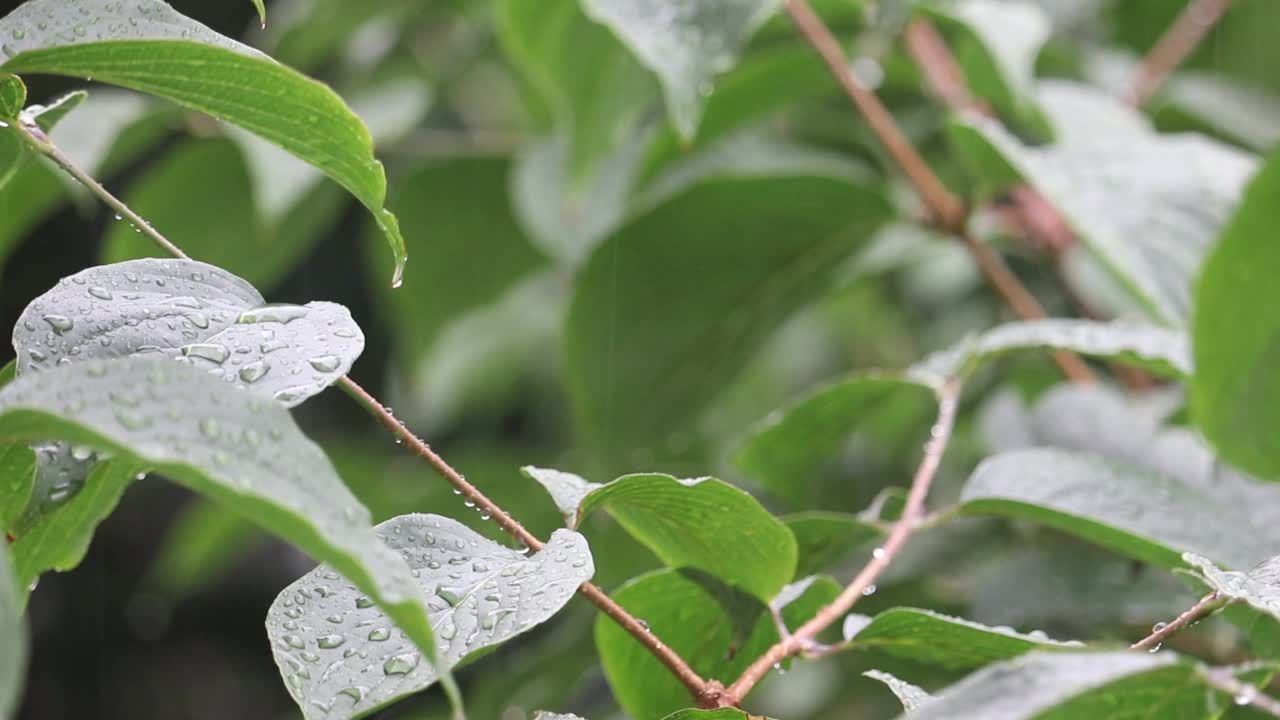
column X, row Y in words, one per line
column 804, row 638
column 1191, row 615
column 698, row 688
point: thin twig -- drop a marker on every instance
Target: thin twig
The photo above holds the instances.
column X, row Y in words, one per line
column 947, row 211
column 698, row 688
column 1242, row 693
column 804, row 637
column 1173, row 47
column 1157, row 637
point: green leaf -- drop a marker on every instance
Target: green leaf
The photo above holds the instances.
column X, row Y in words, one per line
column 262, row 11
column 911, row 696
column 341, row 657
column 1139, row 512
column 1147, row 206
column 659, row 325
column 1259, row 587
column 996, row 44
column 449, row 209
column 824, row 538
column 1059, row 686
column 148, row 46
column 788, row 451
column 13, row 651
column 953, row 643
column 234, row 446
column 60, row 540
column 47, row 116
column 200, row 547
column 17, row 478
column 691, row 622
column 13, row 96
column 1234, row 392
column 599, row 103
column 701, row 522
column 685, row 42
column 1159, row 350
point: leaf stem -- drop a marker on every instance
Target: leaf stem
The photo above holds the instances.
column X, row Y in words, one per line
column 698, row 688
column 1242, row 693
column 38, row 141
column 946, row 210
column 804, row 637
column 1202, row 607
column 1178, row 41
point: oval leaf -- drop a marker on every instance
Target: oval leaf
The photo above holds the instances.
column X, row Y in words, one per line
column 701, row 522
column 911, row 696
column 148, row 46
column 341, row 657
column 236, row 447
column 954, row 643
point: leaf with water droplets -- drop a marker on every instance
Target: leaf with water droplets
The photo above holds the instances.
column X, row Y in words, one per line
column 17, row 477
column 13, row 651
column 699, row 522
column 693, row 623
column 788, row 451
column 686, row 42
column 954, row 643
column 1259, row 587
column 13, row 96
column 911, row 696
column 1146, row 205
column 146, row 45
column 1160, row 350
column 341, row 657
column 262, row 11
column 157, row 415
column 1080, row 685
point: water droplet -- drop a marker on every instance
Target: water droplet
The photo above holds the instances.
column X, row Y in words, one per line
column 213, row 352
column 101, row 293
column 453, row 596
column 81, row 453
column 254, row 371
column 344, row 333
column 294, row 641
column 291, row 394
column 1247, row 695
column 379, row 634
column 363, row 602
column 133, row 421
column 273, row 313
column 329, row 642
column 400, row 664
column 491, row 619
column 1155, row 648
column 356, row 693
column 59, row 323
column 325, row 363
column 869, row 590
column 198, row 319
column 210, row 428
column 272, row 345
column 878, row 553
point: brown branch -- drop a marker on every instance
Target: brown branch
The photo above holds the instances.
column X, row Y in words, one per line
column 946, row 210
column 698, row 688
column 1157, row 637
column 1173, row 47
column 804, row 637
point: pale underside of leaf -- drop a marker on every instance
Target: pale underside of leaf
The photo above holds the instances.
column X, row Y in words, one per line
column 911, row 696
column 341, row 657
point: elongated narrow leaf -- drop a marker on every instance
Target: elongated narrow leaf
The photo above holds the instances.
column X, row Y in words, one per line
column 701, row 522
column 686, row 42
column 1136, row 511
column 788, row 451
column 691, row 622
column 60, row 541
column 1259, row 587
column 659, row 324
column 1079, row 685
column 13, row 651
column 953, row 643
column 342, row 657
column 1146, row 206
column 150, row 47
column 234, row 446
column 1235, row 392
column 911, row 696
column 1153, row 348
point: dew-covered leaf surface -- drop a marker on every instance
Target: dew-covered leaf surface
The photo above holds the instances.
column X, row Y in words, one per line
column 341, row 657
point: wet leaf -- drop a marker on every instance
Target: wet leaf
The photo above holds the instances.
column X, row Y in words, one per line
column 1259, row 587
column 911, row 696
column 341, row 657
column 238, row 448
column 824, row 538
column 953, row 643
column 150, row 47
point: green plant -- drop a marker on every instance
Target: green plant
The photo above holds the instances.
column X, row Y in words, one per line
column 686, row 274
